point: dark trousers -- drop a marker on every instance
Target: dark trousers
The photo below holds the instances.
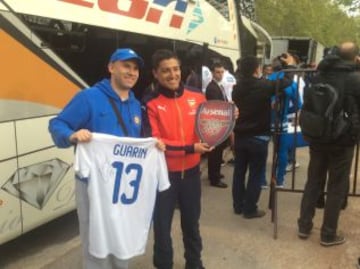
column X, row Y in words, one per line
column 335, row 161
column 249, row 153
column 187, row 193
column 214, row 163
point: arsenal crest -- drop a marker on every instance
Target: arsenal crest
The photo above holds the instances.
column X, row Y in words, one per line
column 215, row 121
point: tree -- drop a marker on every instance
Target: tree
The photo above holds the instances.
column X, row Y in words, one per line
column 322, row 20
column 247, row 9
column 351, row 5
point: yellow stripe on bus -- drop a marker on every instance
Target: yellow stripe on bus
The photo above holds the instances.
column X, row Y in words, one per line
column 26, row 77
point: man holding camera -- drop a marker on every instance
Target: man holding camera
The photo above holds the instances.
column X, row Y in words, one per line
column 252, row 95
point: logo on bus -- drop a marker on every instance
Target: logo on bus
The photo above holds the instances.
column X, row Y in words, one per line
column 139, row 9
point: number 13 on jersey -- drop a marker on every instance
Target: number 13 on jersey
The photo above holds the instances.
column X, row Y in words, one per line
column 134, row 182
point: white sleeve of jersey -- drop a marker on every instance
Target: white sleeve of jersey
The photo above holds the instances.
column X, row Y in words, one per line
column 206, row 78
column 162, row 173
column 82, row 161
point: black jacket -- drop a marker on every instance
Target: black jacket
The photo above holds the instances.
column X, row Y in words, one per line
column 345, row 77
column 214, row 92
column 253, row 98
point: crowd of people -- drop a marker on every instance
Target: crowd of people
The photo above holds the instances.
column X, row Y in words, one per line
column 266, row 97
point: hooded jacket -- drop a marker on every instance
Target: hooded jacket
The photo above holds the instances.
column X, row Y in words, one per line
column 91, row 109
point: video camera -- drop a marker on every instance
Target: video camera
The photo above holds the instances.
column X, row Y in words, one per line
column 333, row 51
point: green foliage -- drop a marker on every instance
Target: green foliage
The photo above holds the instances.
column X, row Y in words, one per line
column 322, row 20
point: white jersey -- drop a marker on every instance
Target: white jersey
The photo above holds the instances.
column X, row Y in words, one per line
column 228, row 83
column 123, row 175
column 206, row 77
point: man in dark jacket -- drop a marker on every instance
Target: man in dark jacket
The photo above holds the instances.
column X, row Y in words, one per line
column 216, row 91
column 335, row 157
column 252, row 96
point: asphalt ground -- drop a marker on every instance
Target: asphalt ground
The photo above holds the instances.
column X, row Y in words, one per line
column 230, row 241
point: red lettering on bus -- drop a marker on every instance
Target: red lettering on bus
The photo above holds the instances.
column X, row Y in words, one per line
column 79, row 2
column 176, row 21
column 154, row 15
column 137, row 8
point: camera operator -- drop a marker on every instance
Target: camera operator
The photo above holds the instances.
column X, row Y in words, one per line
column 289, row 103
column 252, row 95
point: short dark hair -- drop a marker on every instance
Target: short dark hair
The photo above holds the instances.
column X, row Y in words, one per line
column 266, row 66
column 216, row 64
column 248, row 65
column 162, row 54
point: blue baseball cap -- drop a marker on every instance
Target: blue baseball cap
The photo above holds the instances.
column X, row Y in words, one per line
column 126, row 54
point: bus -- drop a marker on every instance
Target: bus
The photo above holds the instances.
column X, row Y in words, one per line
column 51, row 49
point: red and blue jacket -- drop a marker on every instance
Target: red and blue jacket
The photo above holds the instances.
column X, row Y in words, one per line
column 171, row 116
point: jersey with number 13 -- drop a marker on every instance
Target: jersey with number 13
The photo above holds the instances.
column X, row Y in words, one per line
column 123, row 175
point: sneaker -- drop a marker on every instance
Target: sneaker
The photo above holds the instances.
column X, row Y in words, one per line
column 256, row 214
column 264, row 187
column 303, row 235
column 281, row 186
column 338, row 240
column 289, row 167
column 219, row 184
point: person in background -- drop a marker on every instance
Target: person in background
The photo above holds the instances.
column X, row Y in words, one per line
column 267, row 70
column 289, row 103
column 332, row 160
column 216, row 91
column 91, row 111
column 171, row 115
column 252, row 95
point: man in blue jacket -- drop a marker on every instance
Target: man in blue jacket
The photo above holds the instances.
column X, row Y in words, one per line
column 95, row 110
column 284, row 144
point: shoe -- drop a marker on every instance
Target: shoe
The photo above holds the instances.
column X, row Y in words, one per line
column 303, row 235
column 237, row 211
column 264, row 187
column 281, row 186
column 222, row 163
column 256, row 214
column 289, row 167
column 338, row 240
column 219, row 185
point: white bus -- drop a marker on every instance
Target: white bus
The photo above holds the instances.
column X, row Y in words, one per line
column 51, row 49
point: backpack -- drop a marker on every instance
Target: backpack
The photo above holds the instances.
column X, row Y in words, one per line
column 323, row 118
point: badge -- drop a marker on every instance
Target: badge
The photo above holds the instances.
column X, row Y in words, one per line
column 215, row 121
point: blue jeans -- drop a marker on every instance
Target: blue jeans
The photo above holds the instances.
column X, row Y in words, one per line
column 250, row 153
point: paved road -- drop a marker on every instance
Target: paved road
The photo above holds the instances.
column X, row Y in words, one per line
column 230, row 241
